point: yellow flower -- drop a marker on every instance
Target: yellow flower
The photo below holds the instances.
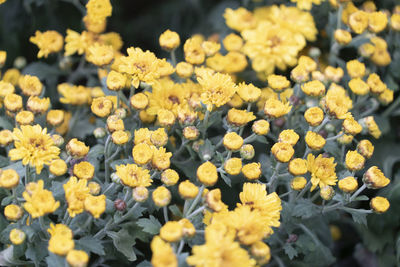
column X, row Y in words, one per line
column 115, row 123
column 278, row 82
column 77, row 258
column 48, row 42
column 194, row 53
column 55, row 117
column 159, row 137
column 40, row 201
column 94, row 188
column 239, row 19
column 84, row 170
column 9, row 179
column 187, row 228
column 34, row 146
column 218, row 89
column 232, row 141
column 327, row 192
column 214, row 202
column 219, row 249
column 17, row 236
column 270, row 45
column 58, row 167
column 190, row 133
column 233, row 166
column 133, row 176
column 365, row 148
column 343, row 37
column 188, row 190
column 337, row 102
column 374, row 178
column 395, row 22
column 98, row 10
column 13, row 102
column 77, row 43
column 139, row 101
column 3, row 57
column 76, row 148
column 348, row 184
column 232, row 42
column 355, row 68
column 377, row 21
column 314, row 116
column 298, row 166
column 289, row 17
column 142, row 153
column 13, row 212
column 207, row 173
column 171, row 231
column 248, row 223
column 161, row 196
column 354, row 161
column 288, row 136
column 169, row 177
column 358, row 21
column 261, row 252
column 351, row 126
column 184, row 69
column 358, row 86
column 94, row 26
column 252, row 171
column 99, row 54
column 314, row 140
column 210, row 47
column 306, row 4
column 30, row 85
column 283, row 152
column 120, row 137
column 140, row 194
column 163, row 254
column 101, row 106
column 298, row 183
column 38, row 105
column 313, row 88
column 95, row 205
column 161, row 158
column 248, row 92
column 255, row 196
column 6, row 137
column 276, row 109
column 75, row 195
column 60, row 245
column 169, row 40
column 372, row 127
column 143, row 66
column 322, row 171
column 379, row 204
column 375, row 83
column 334, row 74
column 260, row 127
column 6, row 88
column 386, row 97
column 74, row 95
column 300, row 74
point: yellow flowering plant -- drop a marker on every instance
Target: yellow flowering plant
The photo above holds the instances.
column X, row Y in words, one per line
column 256, row 143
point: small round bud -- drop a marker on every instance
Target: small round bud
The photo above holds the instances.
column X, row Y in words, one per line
column 191, row 133
column 119, row 204
column 169, row 40
column 348, row 184
column 233, row 166
column 233, row 141
column 288, row 136
column 354, row 161
column 58, row 167
column 17, row 236
column 77, row 149
column 58, row 140
column 188, row 190
column 261, row 252
column 139, row 101
column 77, row 258
column 169, row 177
column 365, row 148
column 121, row 113
column 115, row 178
column 298, row 166
column 252, row 171
column 9, row 179
column 374, row 178
column 140, row 194
column 327, row 192
column 247, row 151
column 298, row 183
column 99, row 132
column 379, row 204
column 188, row 228
column 83, row 170
column 207, row 173
column 171, row 231
column 94, row 188
column 13, row 212
column 283, row 152
column 260, row 127
column 197, row 144
column 6, row 137
column 161, row 196
column 20, row 62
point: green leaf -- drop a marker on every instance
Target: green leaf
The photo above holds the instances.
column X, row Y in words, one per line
column 262, row 139
column 290, row 251
column 226, row 179
column 7, row 258
column 175, row 210
column 207, row 150
column 151, row 225
column 4, row 161
column 124, row 243
column 358, row 216
column 36, row 251
column 90, row 244
column 361, row 198
column 6, row 200
column 304, row 209
column 5, row 124
column 54, row 260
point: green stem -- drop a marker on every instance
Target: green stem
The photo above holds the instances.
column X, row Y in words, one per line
column 195, row 212
column 195, row 201
column 391, row 108
column 173, row 58
column 302, row 192
column 165, row 213
column 357, row 192
column 27, row 174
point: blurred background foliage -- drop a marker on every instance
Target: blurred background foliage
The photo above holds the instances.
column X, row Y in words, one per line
column 140, row 23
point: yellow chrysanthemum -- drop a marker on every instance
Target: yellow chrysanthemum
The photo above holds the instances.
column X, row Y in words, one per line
column 34, row 146
column 133, row 176
column 48, row 42
column 39, row 201
column 322, row 171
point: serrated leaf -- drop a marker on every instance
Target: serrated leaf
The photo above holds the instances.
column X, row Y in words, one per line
column 124, row 243
column 151, row 225
column 290, row 251
column 90, row 244
column 304, row 209
column 36, row 251
column 54, row 260
column 358, row 216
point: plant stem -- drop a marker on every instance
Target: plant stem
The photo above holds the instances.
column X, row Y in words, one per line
column 195, row 201
column 165, row 213
column 195, row 212
column 357, row 192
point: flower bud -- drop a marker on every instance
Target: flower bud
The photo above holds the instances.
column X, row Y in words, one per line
column 139, row 101
column 247, row 151
column 379, row 204
column 171, row 231
column 169, row 40
column 365, row 148
column 58, row 167
column 374, row 178
column 99, row 132
column 298, row 183
column 94, row 188
column 233, row 166
column 214, row 202
column 6, row 137
column 188, row 190
column 191, row 133
column 140, row 194
column 121, row 113
column 260, row 127
column 77, row 149
column 261, row 252
column 327, row 192
column 161, row 196
column 17, row 236
column 188, row 228
column 77, row 258
column 283, row 152
column 207, row 173
column 169, row 177
column 354, row 161
column 13, row 212
column 297, row 166
column 252, row 171
column 119, row 204
column 115, row 178
column 9, row 179
column 348, row 184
